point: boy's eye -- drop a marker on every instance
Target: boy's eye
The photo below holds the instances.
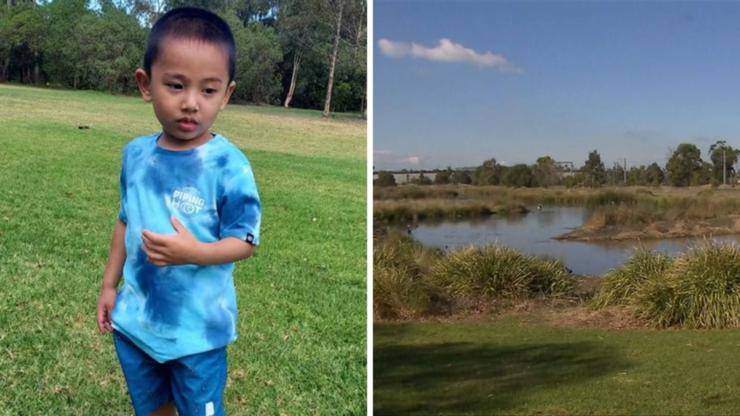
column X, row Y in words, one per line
column 174, row 85
column 210, row 90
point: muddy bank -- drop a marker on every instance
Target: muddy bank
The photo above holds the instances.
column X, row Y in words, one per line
column 596, row 230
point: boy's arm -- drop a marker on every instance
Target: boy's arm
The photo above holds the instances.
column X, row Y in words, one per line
column 111, row 275
column 223, row 251
column 184, row 248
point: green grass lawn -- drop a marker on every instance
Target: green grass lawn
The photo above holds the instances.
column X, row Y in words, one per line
column 301, row 297
column 515, row 366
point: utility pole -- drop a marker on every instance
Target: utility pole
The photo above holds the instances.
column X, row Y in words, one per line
column 625, row 171
column 724, row 167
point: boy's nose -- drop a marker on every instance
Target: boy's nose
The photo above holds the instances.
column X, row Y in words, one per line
column 189, row 103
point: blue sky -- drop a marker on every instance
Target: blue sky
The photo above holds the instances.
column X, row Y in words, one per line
column 630, row 79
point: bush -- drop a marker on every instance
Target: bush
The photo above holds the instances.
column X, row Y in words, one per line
column 385, row 179
column 500, row 272
column 700, row 289
column 411, row 281
column 398, row 268
column 620, row 286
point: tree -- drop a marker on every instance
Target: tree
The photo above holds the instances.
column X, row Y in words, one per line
column 253, row 11
column 27, row 29
column 489, row 173
column 654, row 175
column 5, row 47
column 545, row 172
column 385, row 179
column 723, row 158
column 593, row 170
column 335, row 22
column 286, row 48
column 258, row 54
column 356, row 75
column 684, row 168
column 298, row 25
column 462, row 177
column 335, row 13
column 111, row 44
column 518, row 175
column 615, row 175
column 65, row 60
column 422, row 180
column 443, row 177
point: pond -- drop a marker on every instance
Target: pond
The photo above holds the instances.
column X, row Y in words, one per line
column 533, row 234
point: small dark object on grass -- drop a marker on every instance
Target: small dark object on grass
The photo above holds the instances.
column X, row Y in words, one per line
column 83, row 127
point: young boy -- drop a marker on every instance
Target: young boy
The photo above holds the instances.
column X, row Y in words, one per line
column 189, row 209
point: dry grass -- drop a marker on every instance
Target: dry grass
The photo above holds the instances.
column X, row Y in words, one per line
column 438, row 209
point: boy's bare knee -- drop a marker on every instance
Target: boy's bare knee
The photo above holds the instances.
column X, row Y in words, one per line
column 166, row 410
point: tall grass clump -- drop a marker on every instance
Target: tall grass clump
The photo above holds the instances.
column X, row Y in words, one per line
column 620, row 286
column 700, row 290
column 500, row 272
column 399, row 266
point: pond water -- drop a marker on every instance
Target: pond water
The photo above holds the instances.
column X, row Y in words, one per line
column 533, row 234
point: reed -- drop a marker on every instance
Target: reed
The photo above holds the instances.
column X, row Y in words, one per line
column 439, row 209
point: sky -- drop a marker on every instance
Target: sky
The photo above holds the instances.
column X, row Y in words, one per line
column 457, row 83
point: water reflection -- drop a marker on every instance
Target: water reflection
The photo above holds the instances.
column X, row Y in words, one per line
column 532, row 233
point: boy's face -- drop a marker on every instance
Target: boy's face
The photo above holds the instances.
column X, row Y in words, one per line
column 189, row 85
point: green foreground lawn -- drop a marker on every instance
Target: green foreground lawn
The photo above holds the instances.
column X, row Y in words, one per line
column 301, row 298
column 510, row 366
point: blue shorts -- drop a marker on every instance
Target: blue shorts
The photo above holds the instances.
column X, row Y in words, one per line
column 195, row 383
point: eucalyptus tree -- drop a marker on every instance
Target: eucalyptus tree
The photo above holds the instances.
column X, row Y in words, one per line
column 685, row 166
column 723, row 158
column 300, row 31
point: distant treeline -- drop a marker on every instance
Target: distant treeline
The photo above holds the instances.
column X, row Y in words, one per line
column 684, row 168
column 302, row 53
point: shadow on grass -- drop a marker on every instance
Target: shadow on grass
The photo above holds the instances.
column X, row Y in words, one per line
column 480, row 377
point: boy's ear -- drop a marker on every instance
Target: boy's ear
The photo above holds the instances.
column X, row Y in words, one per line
column 229, row 91
column 144, row 84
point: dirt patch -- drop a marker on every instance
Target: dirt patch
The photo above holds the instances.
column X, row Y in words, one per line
column 556, row 314
column 616, row 317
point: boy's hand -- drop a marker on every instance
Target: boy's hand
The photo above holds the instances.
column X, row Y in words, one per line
column 106, row 301
column 166, row 250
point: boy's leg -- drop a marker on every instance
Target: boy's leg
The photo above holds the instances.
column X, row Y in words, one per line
column 147, row 380
column 198, row 383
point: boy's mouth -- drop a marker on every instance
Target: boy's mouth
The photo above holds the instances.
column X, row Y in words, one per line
column 187, row 124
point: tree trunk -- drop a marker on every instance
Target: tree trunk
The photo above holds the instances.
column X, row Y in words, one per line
column 36, row 67
column 362, row 103
column 6, row 69
column 330, row 85
column 291, row 90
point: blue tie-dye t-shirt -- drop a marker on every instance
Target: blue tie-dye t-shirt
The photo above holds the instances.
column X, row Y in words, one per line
column 174, row 311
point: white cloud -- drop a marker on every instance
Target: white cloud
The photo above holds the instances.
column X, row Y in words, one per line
column 414, row 160
column 382, row 152
column 447, row 51
column 394, row 49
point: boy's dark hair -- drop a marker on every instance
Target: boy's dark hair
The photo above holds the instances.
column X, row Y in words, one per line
column 190, row 23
